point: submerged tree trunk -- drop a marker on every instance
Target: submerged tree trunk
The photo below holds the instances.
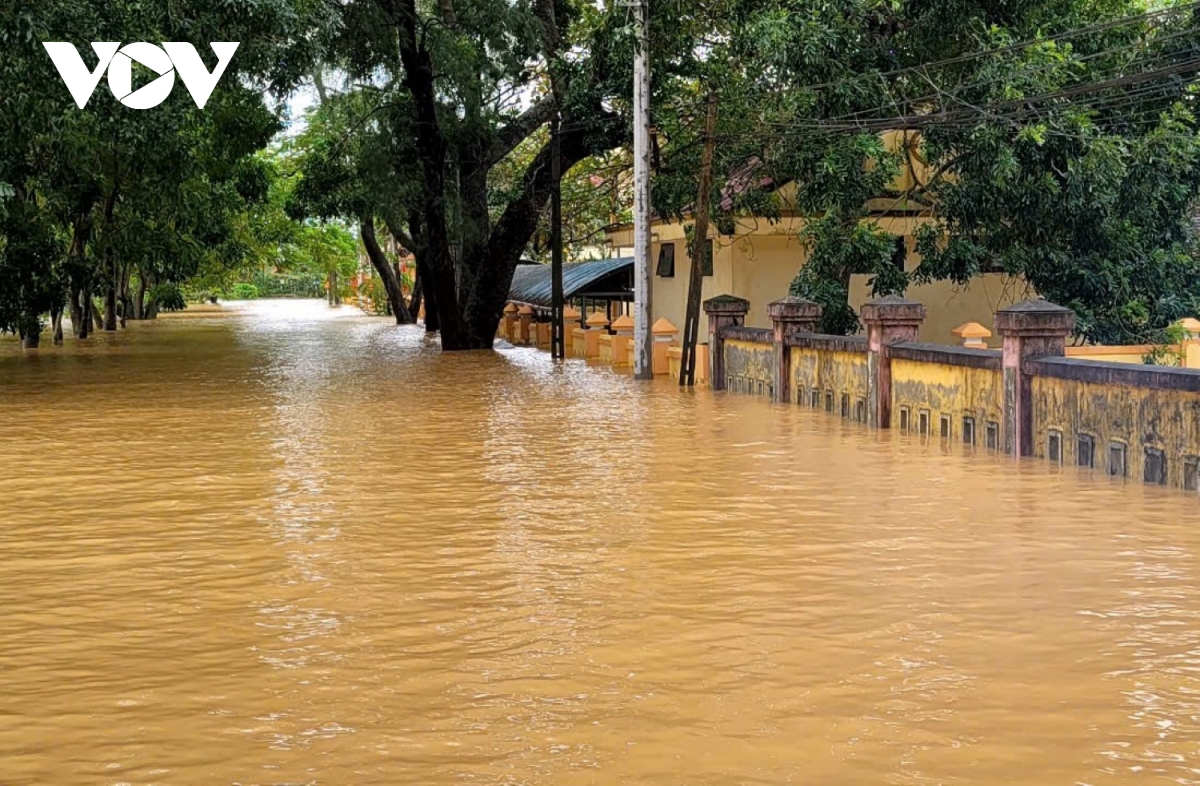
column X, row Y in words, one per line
column 56, row 323
column 111, row 275
column 31, row 331
column 391, row 283
column 139, row 299
column 414, row 305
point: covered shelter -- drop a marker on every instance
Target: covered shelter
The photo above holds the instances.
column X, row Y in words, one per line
column 599, row 284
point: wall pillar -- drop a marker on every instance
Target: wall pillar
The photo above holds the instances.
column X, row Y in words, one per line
column 890, row 320
column 723, row 311
column 510, row 321
column 789, row 315
column 1030, row 329
column 1191, row 344
column 525, row 315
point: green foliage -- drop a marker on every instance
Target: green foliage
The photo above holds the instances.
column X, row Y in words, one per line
column 243, row 292
column 1171, row 351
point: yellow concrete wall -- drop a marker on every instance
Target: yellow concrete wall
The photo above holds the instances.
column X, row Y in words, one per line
column 1168, row 420
column 954, row 391
column 832, row 375
column 749, row 367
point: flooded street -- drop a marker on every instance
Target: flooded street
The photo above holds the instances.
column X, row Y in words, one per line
column 289, row 545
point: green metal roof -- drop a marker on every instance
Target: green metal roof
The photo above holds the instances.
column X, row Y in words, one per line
column 531, row 283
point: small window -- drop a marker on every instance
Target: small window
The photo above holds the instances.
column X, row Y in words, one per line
column 944, row 426
column 1155, row 470
column 923, row 423
column 845, row 405
column 1085, row 451
column 1054, row 447
column 666, row 260
column 904, row 424
column 993, row 435
column 814, row 399
column 1116, row 460
column 860, row 411
column 968, row 431
column 1191, row 473
column 829, row 401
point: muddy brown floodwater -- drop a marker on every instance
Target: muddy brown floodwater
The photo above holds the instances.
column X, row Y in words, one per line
column 290, row 545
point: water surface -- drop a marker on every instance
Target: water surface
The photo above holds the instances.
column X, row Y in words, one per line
column 289, row 545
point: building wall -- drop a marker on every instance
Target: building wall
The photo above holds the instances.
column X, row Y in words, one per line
column 760, row 260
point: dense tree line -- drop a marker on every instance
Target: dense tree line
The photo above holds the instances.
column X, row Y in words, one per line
column 1055, row 140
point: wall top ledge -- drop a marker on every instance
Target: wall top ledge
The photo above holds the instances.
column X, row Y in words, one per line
column 1129, row 374
column 946, row 355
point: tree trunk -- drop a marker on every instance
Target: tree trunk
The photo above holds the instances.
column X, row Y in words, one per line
column 31, row 340
column 414, row 305
column 391, row 283
column 98, row 317
column 73, row 303
column 111, row 274
column 56, row 323
column 439, row 272
column 512, row 232
column 139, row 299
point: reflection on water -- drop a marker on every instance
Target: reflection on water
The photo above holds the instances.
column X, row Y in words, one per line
column 290, row 545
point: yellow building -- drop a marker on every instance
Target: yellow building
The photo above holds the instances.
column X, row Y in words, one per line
column 759, row 259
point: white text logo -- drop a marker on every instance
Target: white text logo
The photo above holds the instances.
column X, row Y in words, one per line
column 118, row 60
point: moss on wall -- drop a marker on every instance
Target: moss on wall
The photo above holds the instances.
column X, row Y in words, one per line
column 956, row 392
column 749, row 367
column 830, row 379
column 1116, row 420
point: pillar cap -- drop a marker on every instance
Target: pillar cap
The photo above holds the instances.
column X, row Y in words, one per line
column 1035, row 317
column 893, row 310
column 726, row 304
column 794, row 309
column 971, row 330
column 597, row 320
column 663, row 327
column 511, row 308
column 525, row 310
column 623, row 322
column 570, row 312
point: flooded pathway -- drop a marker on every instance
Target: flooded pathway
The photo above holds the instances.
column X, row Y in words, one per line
column 289, row 545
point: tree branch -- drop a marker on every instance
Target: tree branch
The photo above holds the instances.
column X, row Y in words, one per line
column 520, row 127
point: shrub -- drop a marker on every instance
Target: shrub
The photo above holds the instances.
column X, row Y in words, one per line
column 244, row 292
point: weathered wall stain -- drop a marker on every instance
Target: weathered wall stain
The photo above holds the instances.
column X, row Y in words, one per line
column 749, row 367
column 1137, row 418
column 829, row 372
column 955, row 391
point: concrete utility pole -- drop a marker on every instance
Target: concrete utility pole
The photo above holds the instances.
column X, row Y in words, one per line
column 643, row 365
